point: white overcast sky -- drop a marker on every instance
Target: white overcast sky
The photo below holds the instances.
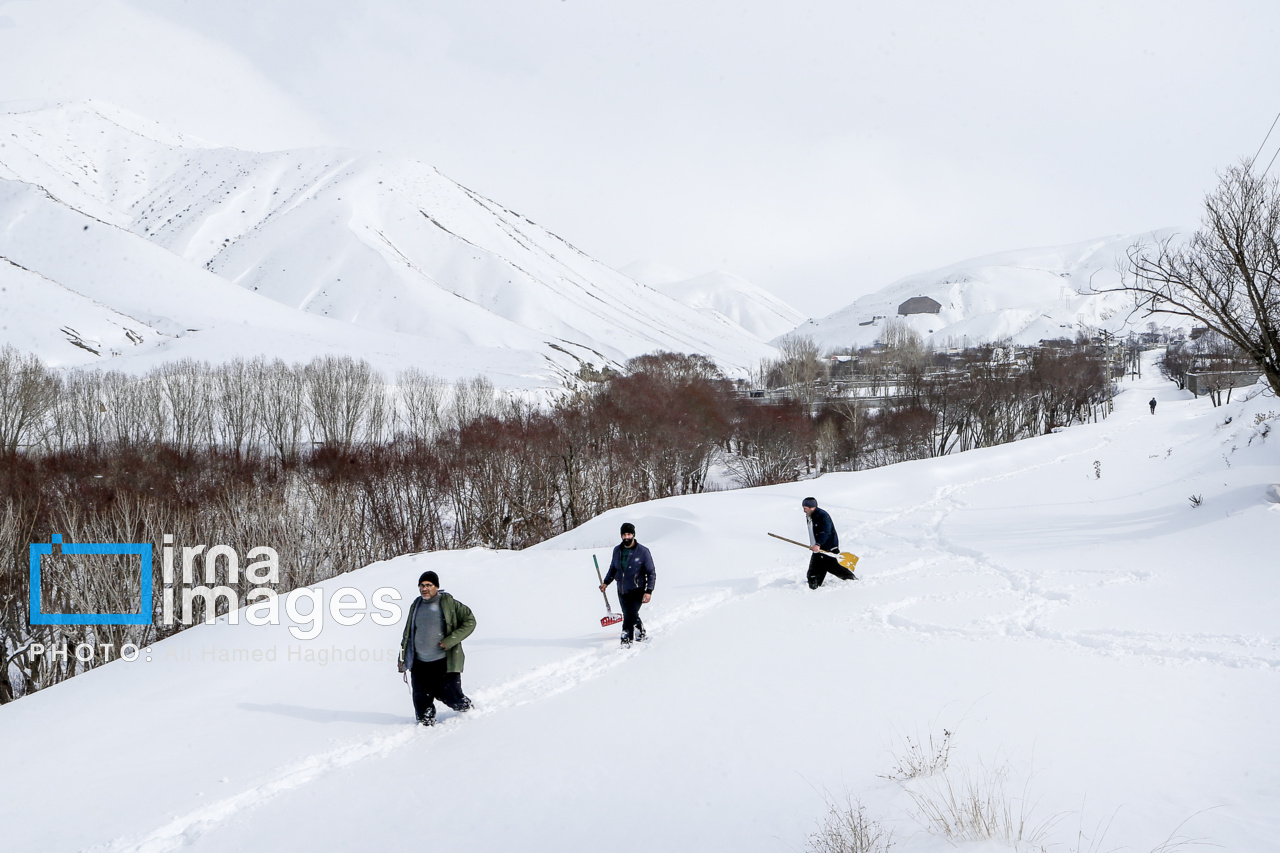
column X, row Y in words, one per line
column 820, row 149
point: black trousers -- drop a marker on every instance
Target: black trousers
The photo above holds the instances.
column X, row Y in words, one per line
column 820, row 565
column 432, row 681
column 631, row 602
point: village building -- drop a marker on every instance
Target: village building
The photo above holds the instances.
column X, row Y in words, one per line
column 920, row 305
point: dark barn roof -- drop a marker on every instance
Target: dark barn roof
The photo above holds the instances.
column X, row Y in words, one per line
column 920, row 305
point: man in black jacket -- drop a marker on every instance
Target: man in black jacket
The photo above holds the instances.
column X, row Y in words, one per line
column 822, row 537
column 632, row 566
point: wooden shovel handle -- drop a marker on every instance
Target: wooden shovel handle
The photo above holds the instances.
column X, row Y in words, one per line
column 608, row 608
column 844, row 557
column 785, row 539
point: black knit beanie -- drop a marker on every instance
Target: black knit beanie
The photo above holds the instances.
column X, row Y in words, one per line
column 813, row 502
column 628, row 527
column 429, row 576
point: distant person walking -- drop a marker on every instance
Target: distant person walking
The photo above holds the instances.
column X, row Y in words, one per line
column 632, row 567
column 822, row 537
column 431, row 649
column 1152, row 404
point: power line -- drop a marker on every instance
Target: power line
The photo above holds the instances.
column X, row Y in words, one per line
column 1264, row 140
column 1273, row 159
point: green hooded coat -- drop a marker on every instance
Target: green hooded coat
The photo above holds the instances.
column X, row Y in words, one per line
column 459, row 622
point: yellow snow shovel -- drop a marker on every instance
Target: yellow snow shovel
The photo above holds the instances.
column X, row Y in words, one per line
column 844, row 558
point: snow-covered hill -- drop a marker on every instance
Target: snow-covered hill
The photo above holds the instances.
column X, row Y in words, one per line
column 1057, row 604
column 1024, row 296
column 384, row 245
column 724, row 294
column 80, row 290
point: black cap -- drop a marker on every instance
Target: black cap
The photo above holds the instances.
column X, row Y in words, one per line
column 809, row 502
column 628, row 527
column 429, row 576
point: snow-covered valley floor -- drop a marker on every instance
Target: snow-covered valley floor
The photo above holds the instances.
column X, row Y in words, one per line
column 1057, row 604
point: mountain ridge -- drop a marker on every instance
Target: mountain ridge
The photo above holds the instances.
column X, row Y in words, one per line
column 388, row 245
column 1021, row 295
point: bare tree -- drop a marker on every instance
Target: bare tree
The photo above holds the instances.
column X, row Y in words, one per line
column 236, row 422
column 187, row 388
column 422, row 398
column 82, row 405
column 1175, row 363
column 136, row 409
column 63, row 421
column 904, row 344
column 278, row 395
column 773, row 441
column 344, row 394
column 121, row 423
column 675, row 367
column 849, row 416
column 758, row 376
column 28, row 390
column 1227, row 276
column 472, row 400
column 801, row 367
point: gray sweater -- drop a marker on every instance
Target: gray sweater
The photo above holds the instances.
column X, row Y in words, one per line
column 428, row 631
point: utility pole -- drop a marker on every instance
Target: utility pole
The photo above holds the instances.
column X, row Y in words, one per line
column 1106, row 349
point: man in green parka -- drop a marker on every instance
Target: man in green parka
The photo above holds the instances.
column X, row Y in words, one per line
column 431, row 649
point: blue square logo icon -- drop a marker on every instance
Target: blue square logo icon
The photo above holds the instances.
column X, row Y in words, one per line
column 36, row 551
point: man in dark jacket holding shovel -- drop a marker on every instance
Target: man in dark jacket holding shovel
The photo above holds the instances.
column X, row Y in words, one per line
column 822, row 537
column 632, row 566
column 431, row 648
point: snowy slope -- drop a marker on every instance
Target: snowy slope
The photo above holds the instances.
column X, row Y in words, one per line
column 1026, row 296
column 382, row 244
column 654, row 273
column 59, row 325
column 69, row 276
column 1115, row 649
column 724, row 294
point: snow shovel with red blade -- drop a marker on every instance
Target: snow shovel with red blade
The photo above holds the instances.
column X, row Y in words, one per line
column 610, row 618
column 844, row 558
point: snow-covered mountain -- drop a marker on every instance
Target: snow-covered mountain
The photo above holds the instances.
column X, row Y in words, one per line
column 386, row 246
column 655, row 273
column 722, row 294
column 1106, row 655
column 79, row 290
column 1026, row 296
